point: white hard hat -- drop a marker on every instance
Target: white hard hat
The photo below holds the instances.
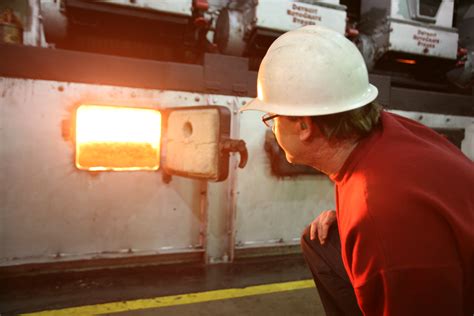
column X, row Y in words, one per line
column 312, row 71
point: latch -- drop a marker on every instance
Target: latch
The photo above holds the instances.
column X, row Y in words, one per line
column 227, row 146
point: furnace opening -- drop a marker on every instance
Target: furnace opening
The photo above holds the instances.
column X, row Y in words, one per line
column 117, row 138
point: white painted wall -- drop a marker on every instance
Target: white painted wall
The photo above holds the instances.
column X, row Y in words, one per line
column 270, row 208
column 49, row 208
column 51, row 211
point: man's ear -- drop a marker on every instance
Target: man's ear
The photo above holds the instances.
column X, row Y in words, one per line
column 306, row 128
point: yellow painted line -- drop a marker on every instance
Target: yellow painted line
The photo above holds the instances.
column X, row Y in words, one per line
column 174, row 300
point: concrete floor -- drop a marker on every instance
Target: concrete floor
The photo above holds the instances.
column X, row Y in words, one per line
column 297, row 302
column 52, row 291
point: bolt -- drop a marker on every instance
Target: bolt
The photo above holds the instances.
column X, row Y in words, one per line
column 197, row 99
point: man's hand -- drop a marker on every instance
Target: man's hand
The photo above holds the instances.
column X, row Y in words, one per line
column 321, row 225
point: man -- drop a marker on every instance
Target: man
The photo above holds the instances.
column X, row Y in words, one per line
column 404, row 218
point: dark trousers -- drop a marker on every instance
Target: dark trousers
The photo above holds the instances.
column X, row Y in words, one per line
column 325, row 262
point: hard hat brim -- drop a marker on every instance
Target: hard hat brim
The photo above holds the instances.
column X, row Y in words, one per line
column 288, row 110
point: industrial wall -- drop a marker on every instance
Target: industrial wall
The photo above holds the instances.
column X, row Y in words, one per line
column 51, row 211
column 182, row 54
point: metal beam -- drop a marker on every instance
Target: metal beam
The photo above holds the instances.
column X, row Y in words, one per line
column 71, row 66
column 431, row 102
column 213, row 76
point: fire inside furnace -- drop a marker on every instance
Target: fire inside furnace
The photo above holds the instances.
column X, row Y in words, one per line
column 117, row 138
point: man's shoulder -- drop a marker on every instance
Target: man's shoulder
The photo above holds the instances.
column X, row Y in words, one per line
column 407, row 152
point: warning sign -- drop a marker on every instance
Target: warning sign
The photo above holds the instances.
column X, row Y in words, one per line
column 426, row 39
column 304, row 14
column 285, row 15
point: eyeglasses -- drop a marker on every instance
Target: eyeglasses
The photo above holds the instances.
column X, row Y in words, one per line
column 267, row 119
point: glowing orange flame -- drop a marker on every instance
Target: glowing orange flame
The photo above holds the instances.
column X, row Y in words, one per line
column 117, row 138
column 407, row 61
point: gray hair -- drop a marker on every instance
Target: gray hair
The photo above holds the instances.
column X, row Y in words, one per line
column 356, row 123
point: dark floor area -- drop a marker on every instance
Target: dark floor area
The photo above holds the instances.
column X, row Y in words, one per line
column 37, row 292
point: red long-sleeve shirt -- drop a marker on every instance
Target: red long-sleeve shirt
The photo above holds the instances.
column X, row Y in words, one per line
column 405, row 211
